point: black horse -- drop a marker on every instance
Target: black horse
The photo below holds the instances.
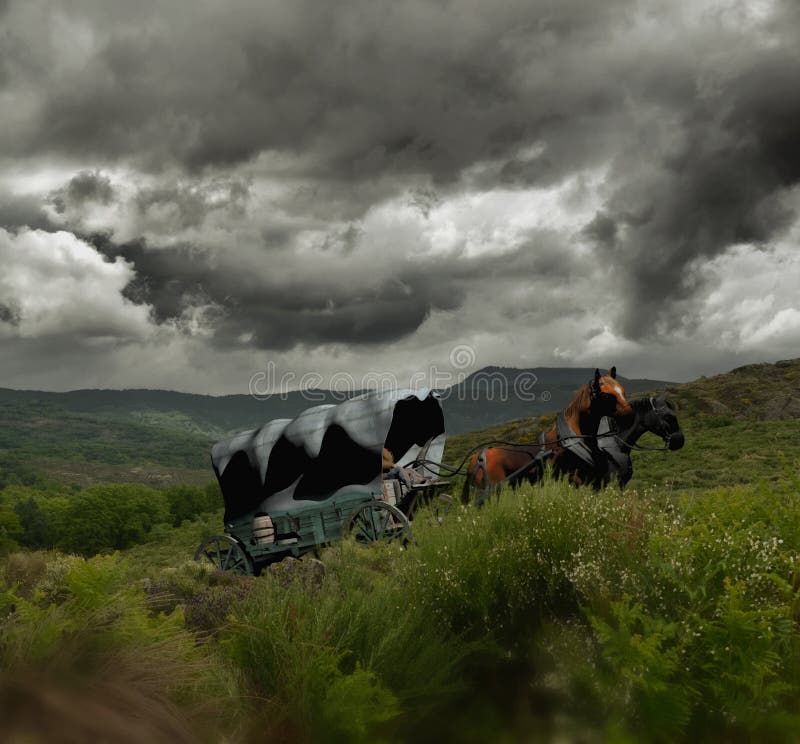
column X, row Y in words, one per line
column 593, row 460
column 655, row 415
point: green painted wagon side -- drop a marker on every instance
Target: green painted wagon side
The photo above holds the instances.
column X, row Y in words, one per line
column 303, row 530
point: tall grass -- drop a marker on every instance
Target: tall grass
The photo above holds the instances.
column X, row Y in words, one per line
column 552, row 609
column 82, row 630
column 551, row 613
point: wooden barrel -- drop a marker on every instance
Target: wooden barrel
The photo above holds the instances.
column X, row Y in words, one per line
column 263, row 529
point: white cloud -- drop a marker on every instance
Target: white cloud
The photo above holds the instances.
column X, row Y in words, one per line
column 754, row 306
column 59, row 285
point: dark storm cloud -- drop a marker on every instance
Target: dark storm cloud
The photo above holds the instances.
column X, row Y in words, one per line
column 85, row 187
column 355, row 103
column 10, row 314
column 276, row 314
column 724, row 184
column 423, row 87
column 262, row 312
column 20, row 211
column 90, row 186
column 603, row 230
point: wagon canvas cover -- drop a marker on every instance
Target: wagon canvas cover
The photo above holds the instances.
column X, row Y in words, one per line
column 296, row 462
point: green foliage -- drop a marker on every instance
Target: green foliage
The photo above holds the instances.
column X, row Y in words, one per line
column 33, row 429
column 36, row 531
column 686, row 610
column 111, row 517
column 24, row 570
column 10, row 530
column 102, row 517
column 13, row 471
column 187, row 502
column 86, row 625
column 340, row 653
column 208, row 609
column 644, row 616
column 641, row 659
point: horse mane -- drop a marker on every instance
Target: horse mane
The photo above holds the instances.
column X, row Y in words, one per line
column 581, row 402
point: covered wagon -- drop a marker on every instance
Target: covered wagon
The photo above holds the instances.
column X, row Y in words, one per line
column 295, row 484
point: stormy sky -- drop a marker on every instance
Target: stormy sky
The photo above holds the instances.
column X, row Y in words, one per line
column 193, row 191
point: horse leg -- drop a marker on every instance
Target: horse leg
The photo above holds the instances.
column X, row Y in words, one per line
column 477, row 476
column 494, row 471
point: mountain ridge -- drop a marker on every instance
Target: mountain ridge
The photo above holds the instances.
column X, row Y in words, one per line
column 468, row 404
column 165, row 446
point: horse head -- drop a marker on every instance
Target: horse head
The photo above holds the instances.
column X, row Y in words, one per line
column 657, row 415
column 607, row 395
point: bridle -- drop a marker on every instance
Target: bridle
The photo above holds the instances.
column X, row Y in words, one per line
column 658, row 410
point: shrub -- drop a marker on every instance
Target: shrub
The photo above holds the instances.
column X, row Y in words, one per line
column 207, row 611
column 96, row 631
column 343, row 654
column 24, row 571
column 188, row 502
column 110, row 517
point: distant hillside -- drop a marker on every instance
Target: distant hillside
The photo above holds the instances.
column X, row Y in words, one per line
column 41, row 437
column 756, row 392
column 486, row 397
column 158, row 436
column 212, row 416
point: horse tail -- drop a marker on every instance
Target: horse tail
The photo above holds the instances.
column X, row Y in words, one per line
column 465, row 490
column 468, row 478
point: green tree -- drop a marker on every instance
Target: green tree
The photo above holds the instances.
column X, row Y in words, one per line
column 113, row 516
column 35, row 528
column 187, row 502
column 10, row 530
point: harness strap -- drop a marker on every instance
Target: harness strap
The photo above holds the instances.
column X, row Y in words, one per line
column 609, row 445
column 572, row 441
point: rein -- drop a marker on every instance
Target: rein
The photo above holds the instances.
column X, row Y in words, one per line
column 637, row 447
column 453, row 470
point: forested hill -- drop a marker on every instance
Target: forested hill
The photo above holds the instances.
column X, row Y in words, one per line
column 163, row 437
column 489, row 396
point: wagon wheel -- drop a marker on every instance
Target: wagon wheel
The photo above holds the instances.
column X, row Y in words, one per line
column 225, row 554
column 377, row 520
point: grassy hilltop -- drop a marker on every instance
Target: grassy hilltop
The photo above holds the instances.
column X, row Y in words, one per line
column 668, row 613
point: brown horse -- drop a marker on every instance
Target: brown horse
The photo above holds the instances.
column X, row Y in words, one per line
column 570, row 443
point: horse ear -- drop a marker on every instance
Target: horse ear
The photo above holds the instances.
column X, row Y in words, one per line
column 613, row 373
column 595, row 384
